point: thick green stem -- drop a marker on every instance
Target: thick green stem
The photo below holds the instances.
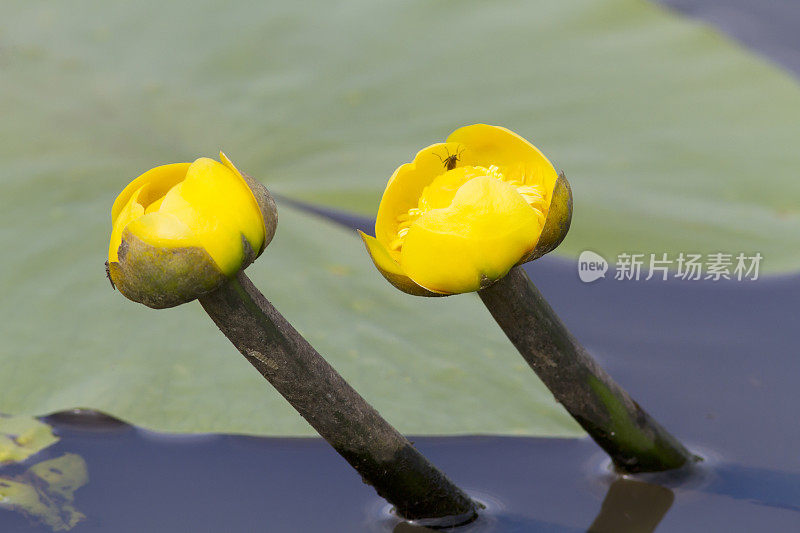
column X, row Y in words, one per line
column 633, row 439
column 381, row 455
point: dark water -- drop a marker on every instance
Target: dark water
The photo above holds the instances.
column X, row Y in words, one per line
column 143, row 481
column 767, row 26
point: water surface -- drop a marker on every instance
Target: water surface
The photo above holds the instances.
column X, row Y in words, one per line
column 145, row 481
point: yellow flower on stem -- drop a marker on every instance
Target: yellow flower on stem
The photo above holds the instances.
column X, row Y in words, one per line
column 460, row 218
column 186, row 231
column 180, row 231
column 466, row 211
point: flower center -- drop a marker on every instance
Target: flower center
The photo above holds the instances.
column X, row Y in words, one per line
column 439, row 194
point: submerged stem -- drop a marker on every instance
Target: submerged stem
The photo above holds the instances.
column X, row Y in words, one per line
column 381, row 455
column 633, row 439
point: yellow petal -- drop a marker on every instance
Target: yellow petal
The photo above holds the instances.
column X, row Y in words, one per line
column 264, row 202
column 221, row 194
column 163, row 230
column 228, row 163
column 269, row 212
column 179, row 231
column 406, row 184
column 127, row 213
column 159, row 181
column 390, row 269
column 486, row 230
column 211, row 208
column 495, row 145
column 155, row 206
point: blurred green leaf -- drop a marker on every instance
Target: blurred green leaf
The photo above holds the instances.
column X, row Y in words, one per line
column 429, row 366
column 23, row 436
column 46, row 491
column 673, row 139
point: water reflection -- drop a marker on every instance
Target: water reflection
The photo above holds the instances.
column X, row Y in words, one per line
column 505, row 523
column 638, row 504
column 632, row 506
column 500, row 524
column 405, row 527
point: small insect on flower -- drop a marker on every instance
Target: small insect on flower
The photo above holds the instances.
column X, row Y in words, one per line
column 450, row 161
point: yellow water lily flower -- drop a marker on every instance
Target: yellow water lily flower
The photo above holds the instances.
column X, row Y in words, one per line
column 466, row 211
column 179, row 231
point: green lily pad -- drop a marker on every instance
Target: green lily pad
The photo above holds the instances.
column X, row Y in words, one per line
column 46, row 491
column 429, row 366
column 673, row 137
column 23, row 436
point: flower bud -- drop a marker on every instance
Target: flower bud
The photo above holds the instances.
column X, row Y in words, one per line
column 466, row 211
column 180, row 231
